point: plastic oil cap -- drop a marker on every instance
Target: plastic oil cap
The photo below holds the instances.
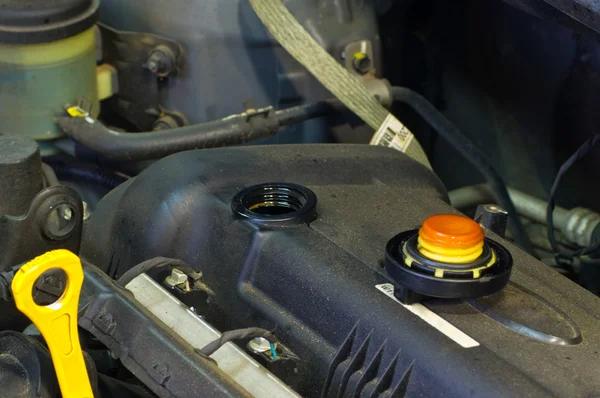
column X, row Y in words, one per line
column 451, row 239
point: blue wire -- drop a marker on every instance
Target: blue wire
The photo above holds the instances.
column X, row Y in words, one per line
column 273, row 352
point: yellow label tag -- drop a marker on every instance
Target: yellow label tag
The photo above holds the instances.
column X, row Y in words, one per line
column 76, row 111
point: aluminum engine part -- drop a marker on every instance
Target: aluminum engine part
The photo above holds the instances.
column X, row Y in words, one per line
column 580, row 226
column 197, row 332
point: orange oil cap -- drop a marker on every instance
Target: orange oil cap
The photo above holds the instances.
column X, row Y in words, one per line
column 450, row 231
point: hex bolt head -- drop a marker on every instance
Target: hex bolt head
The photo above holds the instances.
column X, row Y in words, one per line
column 155, row 64
column 161, row 61
column 176, row 278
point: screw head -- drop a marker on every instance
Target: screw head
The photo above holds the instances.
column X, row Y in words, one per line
column 259, row 345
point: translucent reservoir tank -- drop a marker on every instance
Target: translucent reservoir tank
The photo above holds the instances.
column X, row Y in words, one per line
column 47, row 60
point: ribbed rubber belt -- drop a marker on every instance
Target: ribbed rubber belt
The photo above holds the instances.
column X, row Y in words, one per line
column 284, row 27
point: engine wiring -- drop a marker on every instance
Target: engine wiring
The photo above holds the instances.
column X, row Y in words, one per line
column 238, row 334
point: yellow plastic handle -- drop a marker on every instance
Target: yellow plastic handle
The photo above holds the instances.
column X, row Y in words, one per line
column 58, row 321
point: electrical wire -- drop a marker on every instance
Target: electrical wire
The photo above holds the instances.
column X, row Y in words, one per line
column 87, row 173
column 562, row 255
column 238, row 334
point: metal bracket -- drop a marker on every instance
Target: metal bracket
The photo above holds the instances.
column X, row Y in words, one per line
column 254, row 113
column 143, row 61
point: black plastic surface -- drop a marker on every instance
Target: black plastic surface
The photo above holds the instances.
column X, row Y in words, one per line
column 41, row 21
column 315, row 285
column 20, row 174
column 34, row 233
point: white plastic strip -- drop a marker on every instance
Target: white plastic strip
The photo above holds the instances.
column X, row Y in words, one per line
column 432, row 318
column 393, row 134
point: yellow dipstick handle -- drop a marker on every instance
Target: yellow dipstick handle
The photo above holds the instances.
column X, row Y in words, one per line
column 58, row 321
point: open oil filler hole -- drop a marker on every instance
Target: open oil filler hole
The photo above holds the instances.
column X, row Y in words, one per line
column 274, row 201
column 49, row 287
column 276, row 204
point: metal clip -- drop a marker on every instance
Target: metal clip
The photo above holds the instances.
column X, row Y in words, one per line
column 82, row 109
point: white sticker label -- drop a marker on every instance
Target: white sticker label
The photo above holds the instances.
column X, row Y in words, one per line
column 432, row 318
column 393, row 134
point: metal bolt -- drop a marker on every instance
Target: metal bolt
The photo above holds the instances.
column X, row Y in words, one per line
column 176, row 278
column 67, row 213
column 259, row 345
column 492, row 217
column 165, row 123
column 155, row 64
column 361, row 62
column 86, row 212
column 161, row 61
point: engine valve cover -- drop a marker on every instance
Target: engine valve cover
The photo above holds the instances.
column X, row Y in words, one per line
column 293, row 239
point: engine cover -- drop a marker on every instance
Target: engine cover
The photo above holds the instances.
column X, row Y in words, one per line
column 321, row 285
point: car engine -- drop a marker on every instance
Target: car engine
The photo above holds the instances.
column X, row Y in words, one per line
column 327, row 198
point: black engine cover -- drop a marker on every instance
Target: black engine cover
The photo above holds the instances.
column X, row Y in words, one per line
column 316, row 284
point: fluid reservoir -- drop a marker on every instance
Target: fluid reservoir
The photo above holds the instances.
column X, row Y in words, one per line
column 47, row 60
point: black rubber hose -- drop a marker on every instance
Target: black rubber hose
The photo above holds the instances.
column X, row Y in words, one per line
column 90, row 174
column 49, row 175
column 474, row 155
column 234, row 130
